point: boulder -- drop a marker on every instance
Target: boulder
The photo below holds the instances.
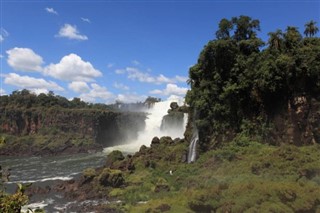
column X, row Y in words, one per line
column 111, row 177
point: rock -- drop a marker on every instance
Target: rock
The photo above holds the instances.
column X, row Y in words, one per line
column 174, row 105
column 113, row 157
column 166, row 140
column 143, row 149
column 111, row 177
column 155, row 141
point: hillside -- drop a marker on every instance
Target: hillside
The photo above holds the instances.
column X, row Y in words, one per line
column 49, row 125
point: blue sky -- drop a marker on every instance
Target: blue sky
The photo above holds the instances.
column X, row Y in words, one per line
column 102, row 51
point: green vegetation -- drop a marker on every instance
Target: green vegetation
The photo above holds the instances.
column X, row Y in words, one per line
column 238, row 80
column 241, row 176
column 27, row 99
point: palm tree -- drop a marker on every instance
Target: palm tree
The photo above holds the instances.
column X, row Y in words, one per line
column 311, row 28
column 275, row 40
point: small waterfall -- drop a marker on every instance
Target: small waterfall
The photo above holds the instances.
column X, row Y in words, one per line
column 193, row 145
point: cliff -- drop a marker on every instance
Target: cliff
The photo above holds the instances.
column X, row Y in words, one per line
column 39, row 130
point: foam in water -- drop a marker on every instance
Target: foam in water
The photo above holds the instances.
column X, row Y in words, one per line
column 152, row 129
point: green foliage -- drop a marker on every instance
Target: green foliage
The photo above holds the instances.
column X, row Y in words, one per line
column 241, row 176
column 27, row 99
column 235, row 82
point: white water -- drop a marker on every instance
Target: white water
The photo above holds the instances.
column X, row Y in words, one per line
column 152, row 128
column 193, row 146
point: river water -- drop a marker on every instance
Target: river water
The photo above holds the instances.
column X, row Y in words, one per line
column 44, row 171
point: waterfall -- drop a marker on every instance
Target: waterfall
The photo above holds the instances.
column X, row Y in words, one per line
column 193, row 145
column 153, row 123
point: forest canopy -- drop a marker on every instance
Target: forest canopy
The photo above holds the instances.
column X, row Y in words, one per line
column 239, row 77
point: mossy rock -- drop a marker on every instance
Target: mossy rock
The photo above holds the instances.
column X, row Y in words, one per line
column 166, row 140
column 111, row 177
column 113, row 157
column 162, row 186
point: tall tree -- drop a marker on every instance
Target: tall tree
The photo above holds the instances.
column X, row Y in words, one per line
column 311, row 28
column 225, row 26
column 246, row 27
column 292, row 38
column 275, row 40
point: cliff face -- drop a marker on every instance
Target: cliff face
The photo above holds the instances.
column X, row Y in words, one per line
column 54, row 127
column 300, row 124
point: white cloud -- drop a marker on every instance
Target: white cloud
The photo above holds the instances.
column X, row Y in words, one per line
column 3, row 34
column 120, row 71
column 171, row 89
column 136, row 74
column 85, row 20
column 2, row 92
column 96, row 92
column 24, row 59
column 79, row 86
column 120, row 86
column 130, row 98
column 71, row 32
column 51, row 10
column 72, row 68
column 27, row 82
column 181, row 78
column 39, row 91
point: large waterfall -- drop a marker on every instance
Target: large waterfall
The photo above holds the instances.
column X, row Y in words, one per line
column 152, row 128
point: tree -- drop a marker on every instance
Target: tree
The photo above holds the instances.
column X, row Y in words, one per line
column 245, row 27
column 275, row 40
column 292, row 38
column 225, row 26
column 311, row 29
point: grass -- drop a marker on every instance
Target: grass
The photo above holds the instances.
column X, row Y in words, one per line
column 239, row 177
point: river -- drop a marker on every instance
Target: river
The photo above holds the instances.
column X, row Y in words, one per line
column 44, row 171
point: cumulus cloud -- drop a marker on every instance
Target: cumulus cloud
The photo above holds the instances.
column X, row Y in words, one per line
column 31, row 83
column 181, row 78
column 51, row 10
column 71, row 32
column 79, row 86
column 24, row 59
column 136, row 74
column 171, row 89
column 72, row 68
column 131, row 98
column 96, row 92
column 120, row 86
column 86, row 20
